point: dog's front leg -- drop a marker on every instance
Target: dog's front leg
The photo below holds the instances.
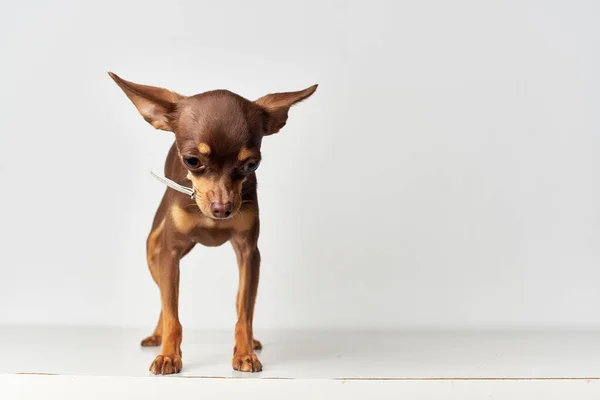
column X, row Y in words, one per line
column 248, row 255
column 169, row 361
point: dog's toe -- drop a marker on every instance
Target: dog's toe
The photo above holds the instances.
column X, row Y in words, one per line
column 246, row 363
column 256, row 345
column 151, row 341
column 165, row 365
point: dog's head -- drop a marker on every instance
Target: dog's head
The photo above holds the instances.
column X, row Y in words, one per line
column 218, row 136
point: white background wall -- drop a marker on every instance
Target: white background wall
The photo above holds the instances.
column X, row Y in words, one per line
column 445, row 174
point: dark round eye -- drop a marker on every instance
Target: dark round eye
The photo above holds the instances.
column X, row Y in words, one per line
column 251, row 166
column 193, row 163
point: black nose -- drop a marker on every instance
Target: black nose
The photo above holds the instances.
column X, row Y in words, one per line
column 221, row 210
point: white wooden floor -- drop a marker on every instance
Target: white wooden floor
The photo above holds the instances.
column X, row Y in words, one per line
column 42, row 362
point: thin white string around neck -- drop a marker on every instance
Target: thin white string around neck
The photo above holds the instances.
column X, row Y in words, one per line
column 174, row 185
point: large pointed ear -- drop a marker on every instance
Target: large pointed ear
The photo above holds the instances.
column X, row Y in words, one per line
column 277, row 105
column 155, row 104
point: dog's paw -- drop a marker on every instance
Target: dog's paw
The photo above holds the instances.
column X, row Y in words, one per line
column 164, row 365
column 151, row 341
column 246, row 363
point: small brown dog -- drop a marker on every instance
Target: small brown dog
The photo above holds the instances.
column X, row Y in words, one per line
column 216, row 152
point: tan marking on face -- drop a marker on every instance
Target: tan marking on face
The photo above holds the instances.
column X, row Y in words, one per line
column 204, row 187
column 203, row 148
column 183, row 221
column 200, row 183
column 201, row 186
column 244, row 154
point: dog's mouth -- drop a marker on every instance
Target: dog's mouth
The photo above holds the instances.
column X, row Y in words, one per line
column 217, row 218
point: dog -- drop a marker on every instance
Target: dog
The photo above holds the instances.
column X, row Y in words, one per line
column 218, row 136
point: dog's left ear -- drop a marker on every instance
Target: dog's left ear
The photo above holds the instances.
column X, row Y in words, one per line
column 277, row 105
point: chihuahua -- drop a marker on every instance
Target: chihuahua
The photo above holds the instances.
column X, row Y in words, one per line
column 216, row 152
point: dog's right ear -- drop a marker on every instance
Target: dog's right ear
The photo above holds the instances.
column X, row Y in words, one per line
column 155, row 104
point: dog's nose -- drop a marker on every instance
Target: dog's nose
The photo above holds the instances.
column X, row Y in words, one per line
column 221, row 210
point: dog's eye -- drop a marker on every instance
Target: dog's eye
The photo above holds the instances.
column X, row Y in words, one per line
column 193, row 163
column 251, row 166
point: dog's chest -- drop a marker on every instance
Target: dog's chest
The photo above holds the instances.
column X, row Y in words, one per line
column 211, row 236
column 207, row 231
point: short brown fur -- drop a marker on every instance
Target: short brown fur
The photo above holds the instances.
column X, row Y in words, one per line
column 218, row 136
